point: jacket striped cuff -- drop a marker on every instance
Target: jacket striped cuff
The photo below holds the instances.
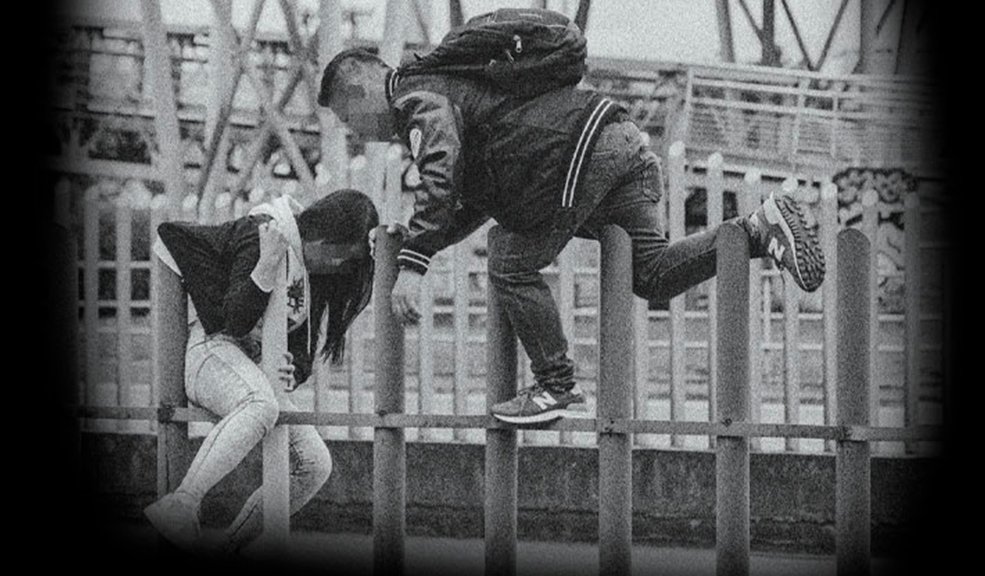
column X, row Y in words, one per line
column 413, row 260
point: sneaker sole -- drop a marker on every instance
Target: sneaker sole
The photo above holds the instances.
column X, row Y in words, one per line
column 808, row 256
column 539, row 418
column 158, row 522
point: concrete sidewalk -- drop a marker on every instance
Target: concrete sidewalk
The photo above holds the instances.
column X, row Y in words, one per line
column 352, row 554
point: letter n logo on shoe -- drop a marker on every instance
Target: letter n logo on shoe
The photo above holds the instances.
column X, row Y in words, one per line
column 544, row 400
column 776, row 249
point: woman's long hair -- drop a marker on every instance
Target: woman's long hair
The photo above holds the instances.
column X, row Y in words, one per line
column 344, row 217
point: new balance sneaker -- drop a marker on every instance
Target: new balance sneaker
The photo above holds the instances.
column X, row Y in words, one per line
column 537, row 404
column 781, row 230
column 176, row 518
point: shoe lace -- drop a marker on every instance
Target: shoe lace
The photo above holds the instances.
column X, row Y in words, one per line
column 529, row 391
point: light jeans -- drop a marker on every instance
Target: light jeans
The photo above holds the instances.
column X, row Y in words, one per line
column 223, row 379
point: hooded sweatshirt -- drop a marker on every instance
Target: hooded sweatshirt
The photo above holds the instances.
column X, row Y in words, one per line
column 216, row 264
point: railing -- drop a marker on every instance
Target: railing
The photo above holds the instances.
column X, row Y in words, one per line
column 803, row 119
column 613, row 426
column 793, row 365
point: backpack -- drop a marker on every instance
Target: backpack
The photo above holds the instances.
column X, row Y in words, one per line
column 522, row 52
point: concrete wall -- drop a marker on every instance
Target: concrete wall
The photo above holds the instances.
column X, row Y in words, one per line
column 792, row 500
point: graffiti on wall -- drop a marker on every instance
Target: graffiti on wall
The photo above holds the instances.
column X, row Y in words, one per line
column 891, row 185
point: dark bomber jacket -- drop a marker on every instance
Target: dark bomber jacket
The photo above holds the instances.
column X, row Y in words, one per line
column 216, row 263
column 482, row 153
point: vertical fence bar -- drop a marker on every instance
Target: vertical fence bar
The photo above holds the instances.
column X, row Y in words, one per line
column 158, row 62
column 90, row 278
column 715, row 190
column 460, row 384
column 276, row 463
column 911, row 266
column 124, row 363
column 678, row 329
column 791, row 341
column 615, row 402
column 63, row 282
column 189, row 208
column 375, row 176
column 829, row 298
column 389, row 457
column 159, row 213
column 360, row 179
column 751, row 200
column 223, row 207
column 169, row 312
column 425, row 354
column 732, row 455
column 357, row 359
column 331, row 41
column 870, row 227
column 501, row 443
column 852, row 464
column 566, row 289
column 641, row 365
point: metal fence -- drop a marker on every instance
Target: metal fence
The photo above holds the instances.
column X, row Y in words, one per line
column 793, row 364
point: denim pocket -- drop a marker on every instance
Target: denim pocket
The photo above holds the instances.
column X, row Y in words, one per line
column 651, row 176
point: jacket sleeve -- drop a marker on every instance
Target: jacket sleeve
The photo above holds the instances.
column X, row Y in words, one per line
column 433, row 133
column 244, row 302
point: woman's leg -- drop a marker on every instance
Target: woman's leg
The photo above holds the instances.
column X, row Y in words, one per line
column 222, row 379
column 311, row 465
column 229, row 384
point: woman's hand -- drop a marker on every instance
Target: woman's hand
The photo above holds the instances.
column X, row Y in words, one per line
column 273, row 249
column 286, row 373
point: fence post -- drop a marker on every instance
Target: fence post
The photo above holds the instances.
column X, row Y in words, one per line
column 124, row 364
column 678, row 328
column 853, row 482
column 63, row 296
column 276, row 461
column 912, row 271
column 870, row 225
column 615, row 401
column 714, row 203
column 791, row 340
column 90, row 280
column 170, row 321
column 460, row 383
column 829, row 295
column 732, row 455
column 501, row 443
column 389, row 457
column 752, row 199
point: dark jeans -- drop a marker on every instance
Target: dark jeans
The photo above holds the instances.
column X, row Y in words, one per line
column 622, row 187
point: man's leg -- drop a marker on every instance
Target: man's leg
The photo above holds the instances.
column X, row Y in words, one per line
column 663, row 269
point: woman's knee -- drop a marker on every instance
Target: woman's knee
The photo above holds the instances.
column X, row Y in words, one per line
column 263, row 407
column 315, row 458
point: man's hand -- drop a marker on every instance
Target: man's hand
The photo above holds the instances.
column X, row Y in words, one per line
column 393, row 229
column 406, row 296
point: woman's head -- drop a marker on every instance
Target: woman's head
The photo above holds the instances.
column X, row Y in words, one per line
column 334, row 233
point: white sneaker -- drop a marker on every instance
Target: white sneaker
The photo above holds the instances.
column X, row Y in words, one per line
column 176, row 519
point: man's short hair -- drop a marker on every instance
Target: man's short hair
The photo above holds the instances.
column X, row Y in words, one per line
column 328, row 79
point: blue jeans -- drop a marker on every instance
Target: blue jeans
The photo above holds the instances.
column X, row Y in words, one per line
column 221, row 377
column 622, row 187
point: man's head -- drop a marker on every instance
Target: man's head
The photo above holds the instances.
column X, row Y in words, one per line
column 353, row 87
